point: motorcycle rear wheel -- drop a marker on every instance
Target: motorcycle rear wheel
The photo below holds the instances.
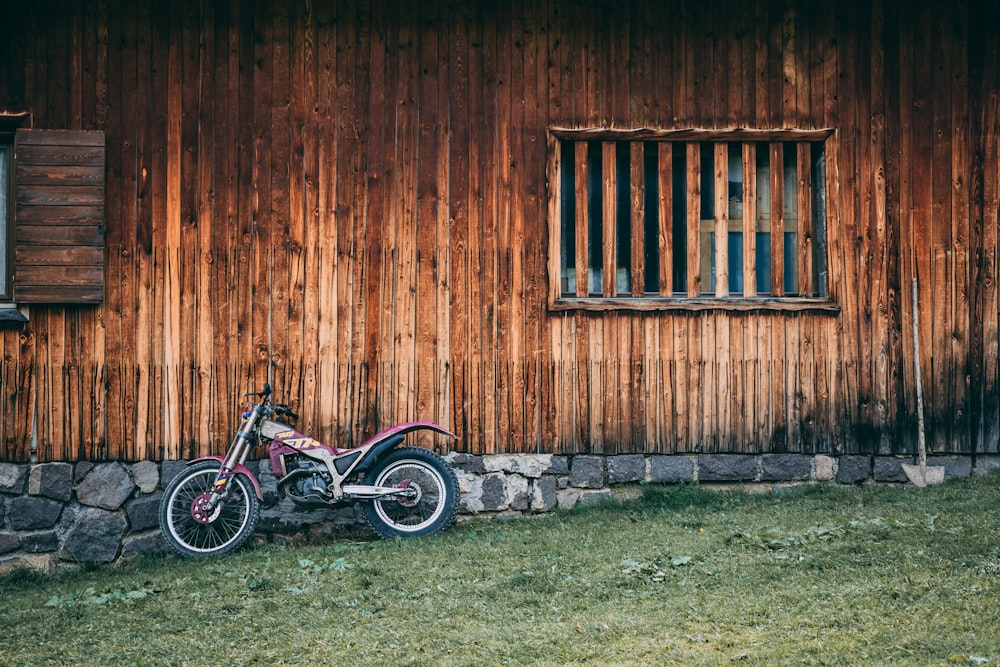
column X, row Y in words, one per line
column 435, row 505
column 230, row 524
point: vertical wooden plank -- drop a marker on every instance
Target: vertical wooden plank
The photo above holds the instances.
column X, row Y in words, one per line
column 475, row 437
column 721, row 215
column 507, row 336
column 749, row 161
column 582, row 221
column 262, row 223
column 777, row 161
column 805, row 232
column 286, row 254
column 326, row 237
column 377, row 181
column 637, row 214
column 361, row 282
column 790, row 75
column 242, row 358
column 665, row 194
column 609, row 218
column 537, row 355
column 225, row 235
column 493, row 75
column 521, row 66
column 119, row 309
column 879, row 230
column 555, row 426
column 171, row 427
column 347, row 252
column 693, row 180
column 203, row 217
column 961, row 288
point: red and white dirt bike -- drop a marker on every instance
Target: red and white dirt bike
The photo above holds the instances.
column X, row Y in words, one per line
column 213, row 506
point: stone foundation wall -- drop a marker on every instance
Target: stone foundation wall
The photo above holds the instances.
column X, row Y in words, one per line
column 54, row 513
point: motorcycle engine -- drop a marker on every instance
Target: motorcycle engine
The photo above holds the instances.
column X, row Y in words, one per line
column 309, row 484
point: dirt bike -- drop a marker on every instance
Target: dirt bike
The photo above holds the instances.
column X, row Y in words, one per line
column 213, row 506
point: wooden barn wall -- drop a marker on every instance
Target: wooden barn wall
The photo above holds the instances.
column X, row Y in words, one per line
column 349, row 199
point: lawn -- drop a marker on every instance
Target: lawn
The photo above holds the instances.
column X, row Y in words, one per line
column 818, row 575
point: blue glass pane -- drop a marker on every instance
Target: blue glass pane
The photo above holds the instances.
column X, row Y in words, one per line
column 763, row 259
column 791, row 275
column 735, row 262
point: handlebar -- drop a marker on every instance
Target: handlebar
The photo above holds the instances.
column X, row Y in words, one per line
column 263, row 393
column 282, row 409
column 277, row 408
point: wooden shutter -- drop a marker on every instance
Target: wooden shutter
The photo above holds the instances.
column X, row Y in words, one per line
column 59, row 218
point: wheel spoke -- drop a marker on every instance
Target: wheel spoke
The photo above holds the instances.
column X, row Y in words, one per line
column 224, row 529
column 429, row 502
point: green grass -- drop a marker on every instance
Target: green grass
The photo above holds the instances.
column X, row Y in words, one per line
column 821, row 575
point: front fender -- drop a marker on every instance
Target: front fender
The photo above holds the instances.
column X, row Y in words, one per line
column 239, row 470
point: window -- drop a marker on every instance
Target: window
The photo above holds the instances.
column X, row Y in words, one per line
column 53, row 248
column 648, row 219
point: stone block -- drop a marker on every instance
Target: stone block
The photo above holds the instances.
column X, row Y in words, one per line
column 40, row 543
column 528, row 465
column 671, row 469
column 144, row 512
column 494, row 492
column 31, row 513
column 51, row 480
column 785, row 467
column 559, row 465
column 107, row 486
column 954, row 466
column 146, row 476
column 853, row 469
column 465, row 462
column 470, row 491
column 517, row 492
column 726, row 467
column 626, row 468
column 587, row 472
column 12, row 478
column 567, row 498
column 169, row 470
column 9, row 542
column 543, row 494
column 890, row 469
column 81, row 469
column 94, row 536
column 986, row 463
column 41, row 562
column 825, row 468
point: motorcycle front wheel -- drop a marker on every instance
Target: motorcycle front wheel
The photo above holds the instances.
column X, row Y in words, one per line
column 431, row 505
column 189, row 531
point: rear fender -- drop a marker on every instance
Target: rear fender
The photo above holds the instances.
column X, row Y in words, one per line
column 384, row 442
column 239, row 470
column 408, row 427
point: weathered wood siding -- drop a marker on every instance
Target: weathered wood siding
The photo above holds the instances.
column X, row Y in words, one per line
column 350, row 198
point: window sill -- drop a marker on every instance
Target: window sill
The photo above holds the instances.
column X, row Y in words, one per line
column 10, row 315
column 734, row 304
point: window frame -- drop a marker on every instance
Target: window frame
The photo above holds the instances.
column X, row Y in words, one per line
column 690, row 298
column 9, row 185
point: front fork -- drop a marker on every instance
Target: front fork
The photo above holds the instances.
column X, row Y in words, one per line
column 237, row 455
